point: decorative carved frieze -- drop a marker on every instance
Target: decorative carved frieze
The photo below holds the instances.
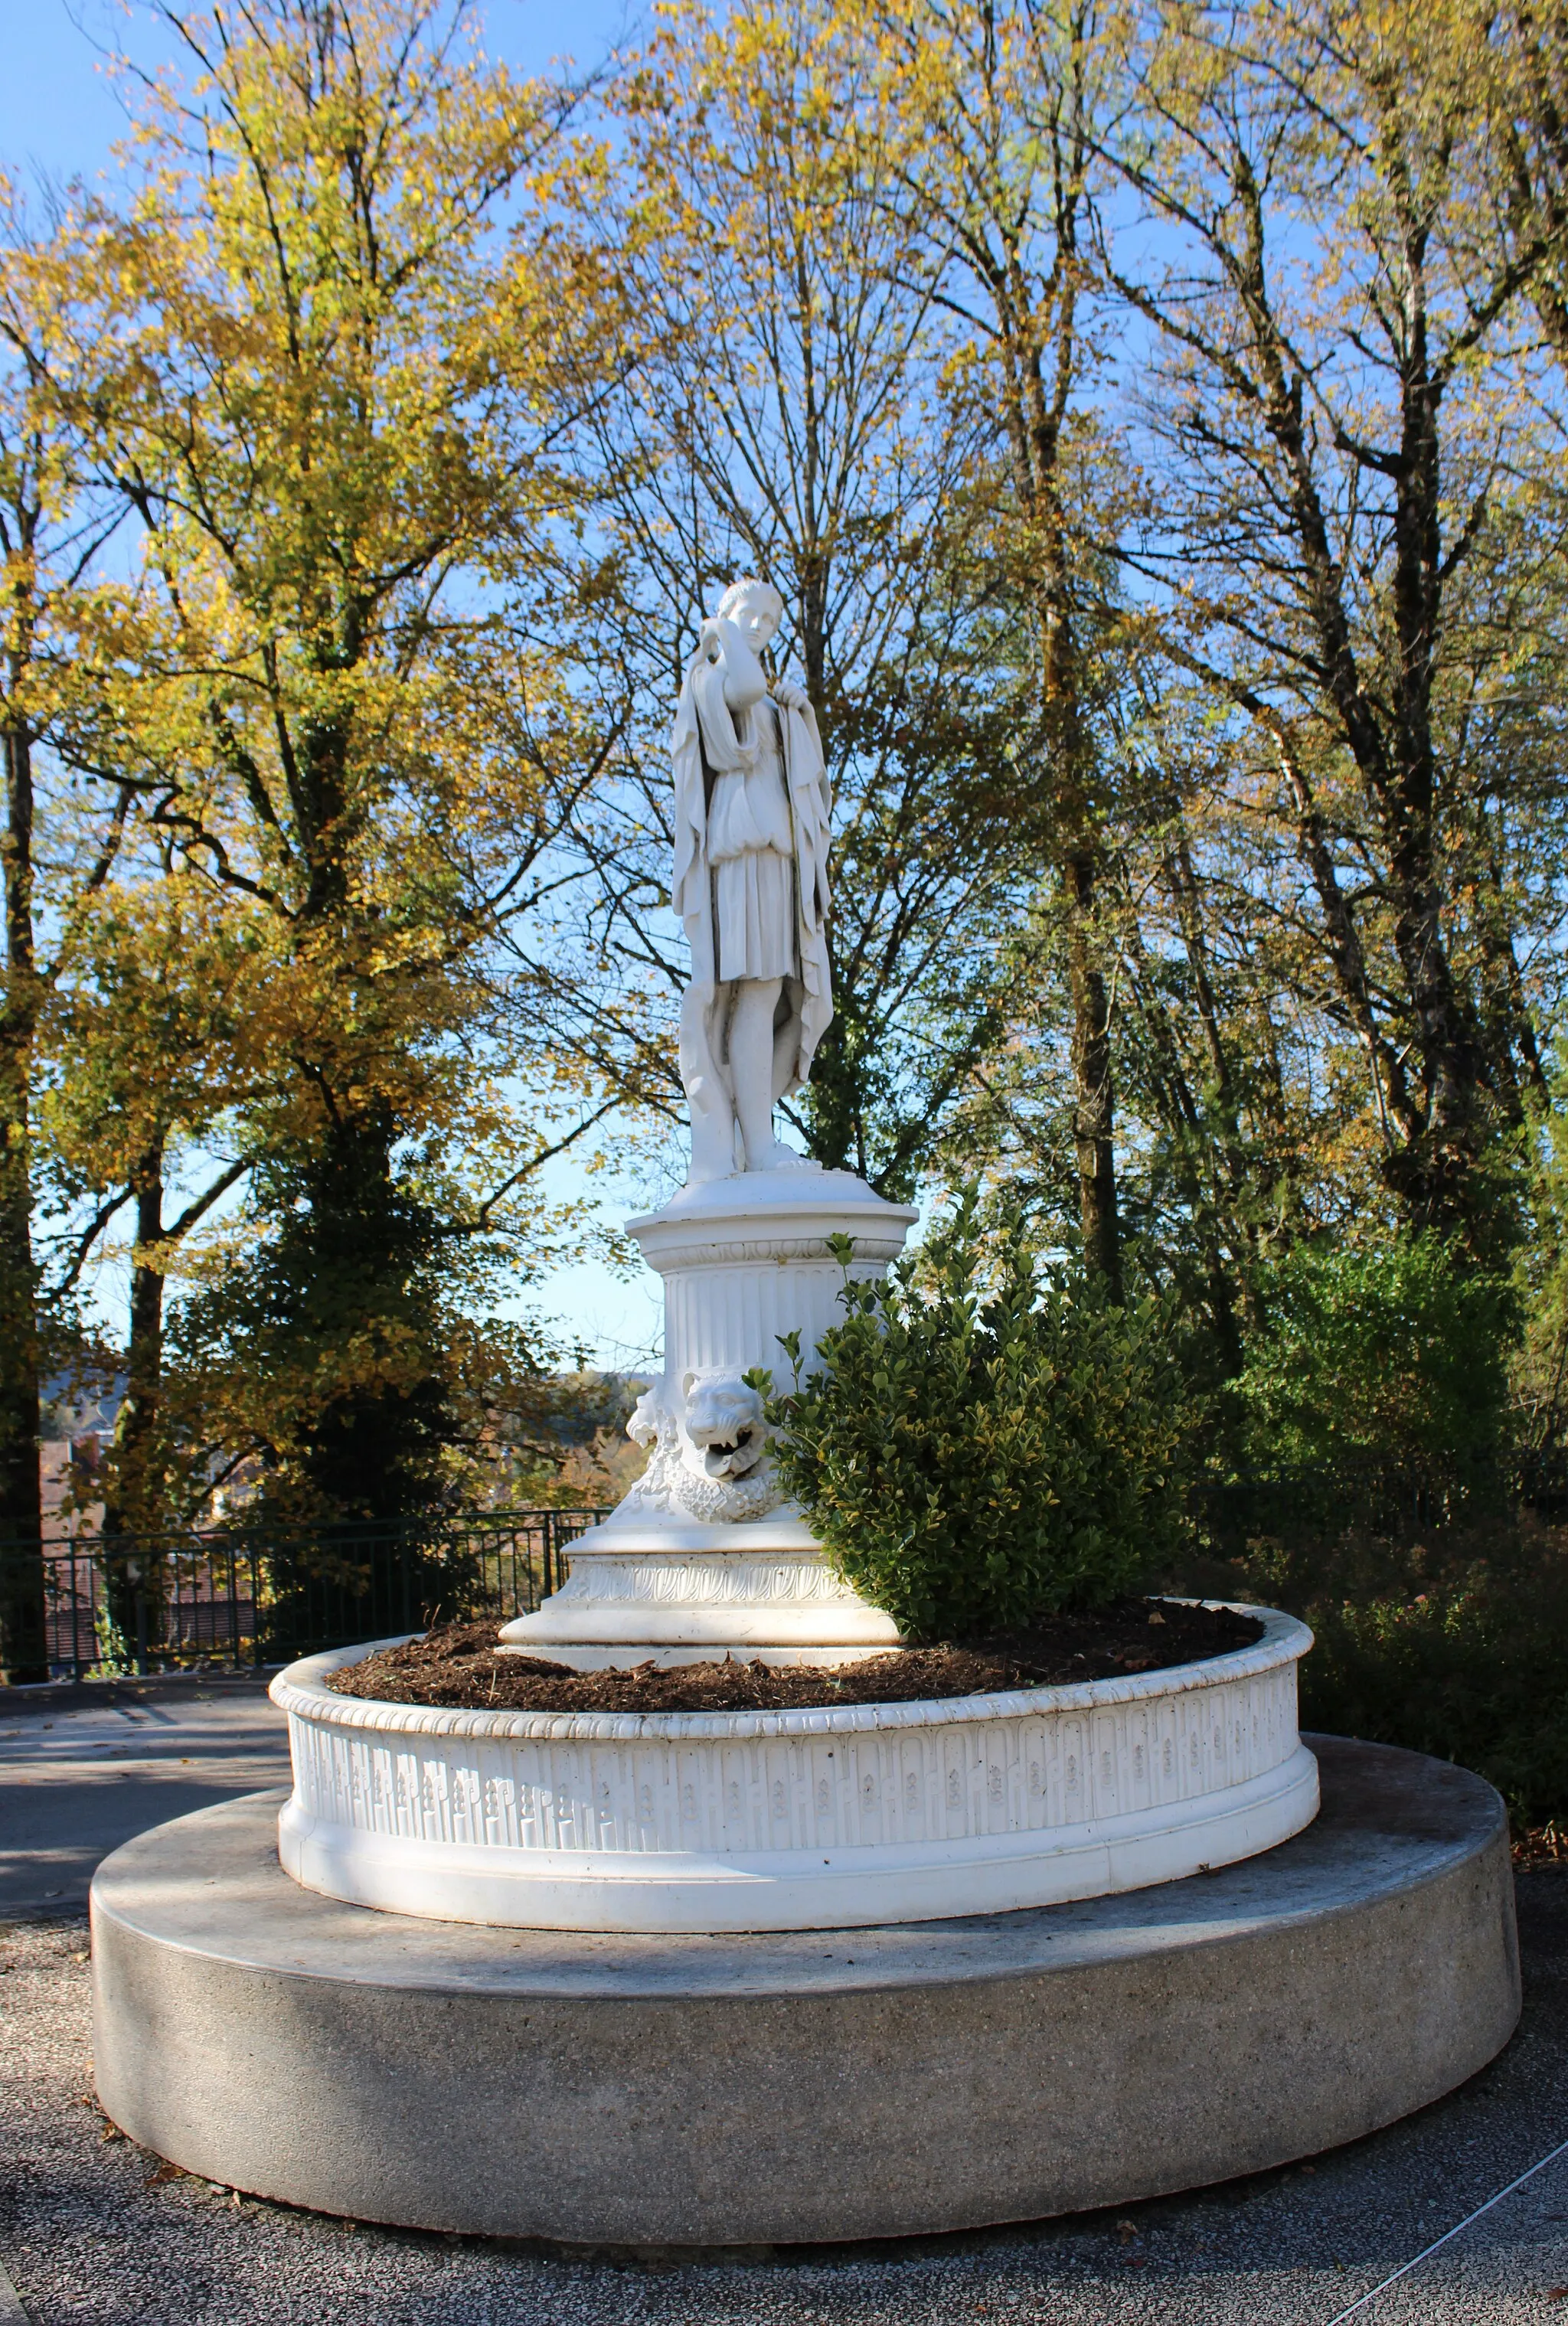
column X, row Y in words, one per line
column 1038, row 1794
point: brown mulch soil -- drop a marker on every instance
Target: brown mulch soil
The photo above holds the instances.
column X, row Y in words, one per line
column 458, row 1664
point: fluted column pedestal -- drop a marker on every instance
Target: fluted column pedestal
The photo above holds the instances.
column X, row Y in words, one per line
column 704, row 1558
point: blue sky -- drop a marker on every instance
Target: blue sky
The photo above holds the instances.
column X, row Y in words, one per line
column 59, row 112
column 60, row 117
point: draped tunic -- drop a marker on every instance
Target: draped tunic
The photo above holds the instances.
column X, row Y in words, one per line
column 751, row 851
column 751, row 814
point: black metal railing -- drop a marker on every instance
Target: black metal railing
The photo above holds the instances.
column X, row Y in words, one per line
column 239, row 1595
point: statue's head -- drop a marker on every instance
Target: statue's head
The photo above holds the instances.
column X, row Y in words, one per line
column 756, row 609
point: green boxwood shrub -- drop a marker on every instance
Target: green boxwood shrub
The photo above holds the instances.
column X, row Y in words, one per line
column 989, row 1440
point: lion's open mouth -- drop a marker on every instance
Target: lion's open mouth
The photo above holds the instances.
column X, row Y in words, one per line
column 723, row 1457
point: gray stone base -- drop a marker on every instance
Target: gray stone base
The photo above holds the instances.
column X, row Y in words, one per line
column 816, row 2084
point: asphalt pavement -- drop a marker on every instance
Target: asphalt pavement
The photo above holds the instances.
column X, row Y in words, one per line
column 84, row 1768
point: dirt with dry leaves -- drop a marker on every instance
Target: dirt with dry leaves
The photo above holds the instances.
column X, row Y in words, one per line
column 459, row 1664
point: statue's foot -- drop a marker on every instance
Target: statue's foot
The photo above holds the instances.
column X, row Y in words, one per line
column 778, row 1156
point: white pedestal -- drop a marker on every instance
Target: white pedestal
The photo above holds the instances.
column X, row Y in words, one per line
column 704, row 1558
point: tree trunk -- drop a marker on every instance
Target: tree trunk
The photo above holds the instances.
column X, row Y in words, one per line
column 1040, row 337
column 135, row 1514
column 1077, row 845
column 1093, row 1109
column 1192, row 1142
column 23, row 1646
column 135, row 1498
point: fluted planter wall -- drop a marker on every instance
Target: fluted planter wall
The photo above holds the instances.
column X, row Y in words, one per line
column 789, row 1820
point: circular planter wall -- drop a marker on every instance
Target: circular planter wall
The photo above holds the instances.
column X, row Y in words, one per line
column 829, row 1817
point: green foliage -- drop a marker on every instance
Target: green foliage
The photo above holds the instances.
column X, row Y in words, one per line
column 987, row 1439
column 1456, row 1645
column 1387, row 1364
column 1540, row 1369
column 1380, row 1432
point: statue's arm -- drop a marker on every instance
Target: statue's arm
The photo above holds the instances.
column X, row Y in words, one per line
column 744, row 680
column 689, row 883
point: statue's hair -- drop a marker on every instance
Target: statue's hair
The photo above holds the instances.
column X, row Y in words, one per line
column 739, row 591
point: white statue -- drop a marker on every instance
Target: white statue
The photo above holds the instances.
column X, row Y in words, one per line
column 752, row 809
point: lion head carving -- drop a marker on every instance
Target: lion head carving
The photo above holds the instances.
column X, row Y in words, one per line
column 709, row 1449
column 724, row 1421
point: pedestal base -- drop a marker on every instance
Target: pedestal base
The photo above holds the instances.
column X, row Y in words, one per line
column 811, row 2085
column 671, row 1591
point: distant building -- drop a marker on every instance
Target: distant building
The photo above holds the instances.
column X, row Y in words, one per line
column 79, row 1410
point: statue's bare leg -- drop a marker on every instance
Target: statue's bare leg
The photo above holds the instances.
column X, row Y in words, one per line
column 751, row 1070
column 786, row 1051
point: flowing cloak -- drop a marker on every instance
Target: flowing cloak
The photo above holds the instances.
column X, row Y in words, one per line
column 704, row 745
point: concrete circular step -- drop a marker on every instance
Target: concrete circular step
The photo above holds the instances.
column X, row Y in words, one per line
column 688, row 2090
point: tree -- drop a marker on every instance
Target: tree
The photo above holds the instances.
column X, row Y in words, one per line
column 158, row 1050
column 1343, row 549
column 51, row 530
column 1006, row 103
column 28, row 482
column 322, row 383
